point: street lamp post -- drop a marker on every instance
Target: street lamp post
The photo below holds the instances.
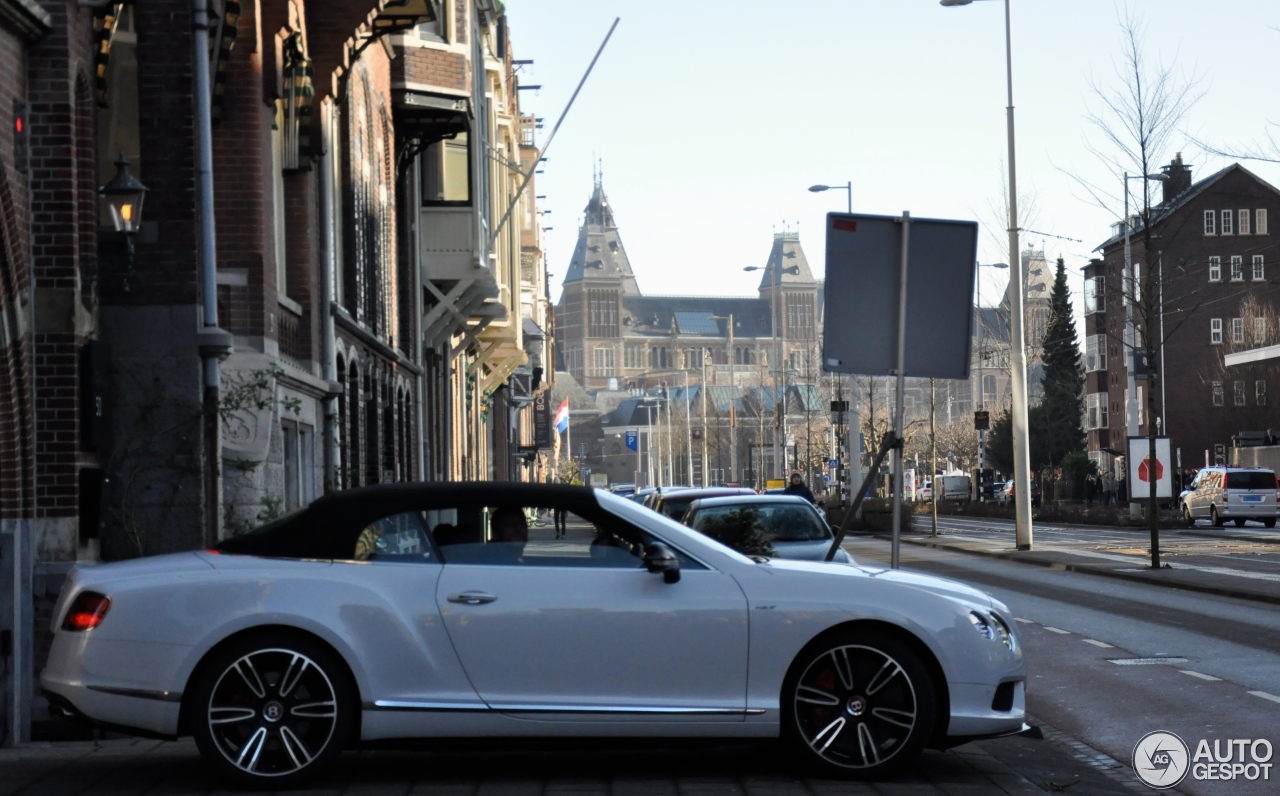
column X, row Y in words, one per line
column 854, row 441
column 1021, row 447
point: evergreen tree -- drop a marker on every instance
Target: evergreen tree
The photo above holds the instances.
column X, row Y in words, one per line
column 1059, row 428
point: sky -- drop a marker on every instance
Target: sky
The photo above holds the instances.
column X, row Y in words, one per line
column 711, row 119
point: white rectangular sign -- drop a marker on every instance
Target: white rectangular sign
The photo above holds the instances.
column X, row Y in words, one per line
column 1140, row 469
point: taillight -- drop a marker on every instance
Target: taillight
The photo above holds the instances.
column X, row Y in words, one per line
column 87, row 611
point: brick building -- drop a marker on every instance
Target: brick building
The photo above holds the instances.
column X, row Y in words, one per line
column 1215, row 264
column 353, row 147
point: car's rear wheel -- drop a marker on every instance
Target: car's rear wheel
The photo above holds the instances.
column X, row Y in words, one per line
column 1186, row 516
column 1214, row 519
column 858, row 705
column 272, row 713
column 1269, row 522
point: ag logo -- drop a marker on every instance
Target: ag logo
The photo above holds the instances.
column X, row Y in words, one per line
column 1160, row 759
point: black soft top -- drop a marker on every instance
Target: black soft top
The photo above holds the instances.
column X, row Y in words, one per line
column 326, row 527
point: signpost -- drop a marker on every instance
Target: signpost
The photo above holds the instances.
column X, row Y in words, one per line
column 901, row 269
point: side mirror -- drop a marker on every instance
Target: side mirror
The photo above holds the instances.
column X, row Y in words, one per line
column 660, row 558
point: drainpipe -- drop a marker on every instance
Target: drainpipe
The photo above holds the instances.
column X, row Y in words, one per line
column 214, row 343
column 328, row 354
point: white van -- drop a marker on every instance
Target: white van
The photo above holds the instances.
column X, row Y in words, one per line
column 953, row 487
column 1232, row 493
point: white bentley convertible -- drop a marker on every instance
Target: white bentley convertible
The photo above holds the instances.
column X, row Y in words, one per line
column 486, row 609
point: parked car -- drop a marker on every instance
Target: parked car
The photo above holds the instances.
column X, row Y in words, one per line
column 652, row 499
column 674, row 502
column 955, row 488
column 642, row 495
column 1006, row 493
column 431, row 611
column 1238, row 494
column 623, row 490
column 794, row 527
column 924, row 492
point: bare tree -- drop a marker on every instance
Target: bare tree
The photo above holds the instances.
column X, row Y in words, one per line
column 1139, row 113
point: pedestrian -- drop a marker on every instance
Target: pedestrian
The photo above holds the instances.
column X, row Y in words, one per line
column 561, row 520
column 797, row 487
column 1113, row 488
column 1088, row 491
column 1270, row 439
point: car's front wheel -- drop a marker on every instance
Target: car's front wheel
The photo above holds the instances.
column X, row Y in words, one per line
column 272, row 713
column 1186, row 516
column 858, row 704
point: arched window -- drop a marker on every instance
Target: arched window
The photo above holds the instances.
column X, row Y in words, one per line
column 351, row 459
column 390, row 431
column 343, row 432
column 371, row 447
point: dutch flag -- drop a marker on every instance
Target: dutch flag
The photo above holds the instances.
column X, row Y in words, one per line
column 562, row 417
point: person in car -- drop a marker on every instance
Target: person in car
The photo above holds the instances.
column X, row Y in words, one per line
column 797, row 487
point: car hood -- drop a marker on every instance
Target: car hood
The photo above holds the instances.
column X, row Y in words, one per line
column 933, row 584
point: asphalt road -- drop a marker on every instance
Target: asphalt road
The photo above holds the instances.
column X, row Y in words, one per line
column 1221, row 680
column 1253, row 550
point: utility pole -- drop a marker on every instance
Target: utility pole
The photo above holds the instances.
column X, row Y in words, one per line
column 703, row 394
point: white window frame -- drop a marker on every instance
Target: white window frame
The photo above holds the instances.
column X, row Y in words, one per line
column 1237, row 268
column 1227, row 218
column 1219, row 398
column 1095, row 357
column 1095, row 295
column 1260, row 221
column 1242, row 225
column 1210, row 222
column 1259, row 330
column 1260, row 392
column 604, row 353
column 1237, row 331
column 1215, row 268
column 1095, row 415
column 1240, row 396
column 1215, row 331
column 1259, row 268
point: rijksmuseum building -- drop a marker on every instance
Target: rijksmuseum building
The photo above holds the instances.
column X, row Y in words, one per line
column 617, row 349
column 610, row 336
column 619, row 346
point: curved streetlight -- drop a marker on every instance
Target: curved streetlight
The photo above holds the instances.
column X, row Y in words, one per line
column 846, row 187
column 1021, row 444
column 853, row 444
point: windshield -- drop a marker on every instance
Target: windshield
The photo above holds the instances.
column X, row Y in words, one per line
column 777, row 523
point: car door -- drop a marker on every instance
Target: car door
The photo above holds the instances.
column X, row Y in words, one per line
column 578, row 626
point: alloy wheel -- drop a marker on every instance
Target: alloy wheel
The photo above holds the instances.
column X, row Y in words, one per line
column 856, row 706
column 272, row 712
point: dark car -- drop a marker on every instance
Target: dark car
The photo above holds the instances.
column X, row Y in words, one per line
column 794, row 527
column 673, row 502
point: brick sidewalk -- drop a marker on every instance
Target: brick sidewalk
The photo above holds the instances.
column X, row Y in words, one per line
column 1014, row 766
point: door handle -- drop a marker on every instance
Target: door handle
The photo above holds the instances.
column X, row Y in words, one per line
column 472, row 598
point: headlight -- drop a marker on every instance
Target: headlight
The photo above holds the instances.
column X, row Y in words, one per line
column 993, row 628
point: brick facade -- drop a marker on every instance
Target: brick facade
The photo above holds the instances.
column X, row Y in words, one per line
column 1193, row 299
